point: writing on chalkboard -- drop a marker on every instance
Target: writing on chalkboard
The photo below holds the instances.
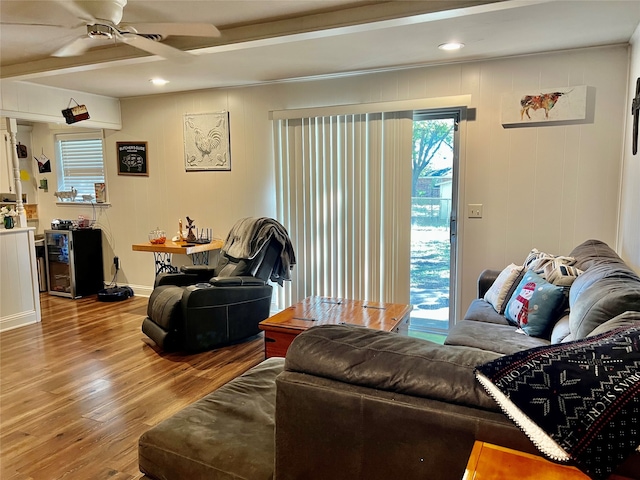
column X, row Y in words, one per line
column 132, row 158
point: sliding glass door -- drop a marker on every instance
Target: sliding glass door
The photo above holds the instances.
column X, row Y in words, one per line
column 434, row 190
column 369, row 201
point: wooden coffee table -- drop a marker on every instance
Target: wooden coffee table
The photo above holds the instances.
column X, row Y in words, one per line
column 282, row 328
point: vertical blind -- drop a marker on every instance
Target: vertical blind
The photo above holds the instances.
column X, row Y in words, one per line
column 81, row 162
column 344, row 194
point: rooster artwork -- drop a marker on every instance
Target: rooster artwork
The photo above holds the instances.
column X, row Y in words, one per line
column 206, row 141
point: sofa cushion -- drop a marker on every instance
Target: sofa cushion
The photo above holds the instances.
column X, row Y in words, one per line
column 502, row 289
column 227, row 435
column 592, row 251
column 391, row 362
column 535, row 305
column 503, row 339
column 602, row 292
column 482, row 311
column 626, row 319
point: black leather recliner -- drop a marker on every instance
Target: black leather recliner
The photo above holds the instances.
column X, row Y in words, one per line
column 203, row 306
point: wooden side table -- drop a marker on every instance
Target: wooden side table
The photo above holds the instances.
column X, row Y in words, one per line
column 282, row 328
column 162, row 253
column 491, row 462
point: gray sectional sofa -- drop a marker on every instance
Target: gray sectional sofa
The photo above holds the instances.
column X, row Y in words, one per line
column 354, row 403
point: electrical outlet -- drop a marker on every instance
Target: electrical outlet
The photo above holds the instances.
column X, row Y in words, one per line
column 474, row 210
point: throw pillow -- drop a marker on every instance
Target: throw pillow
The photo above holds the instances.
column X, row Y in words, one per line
column 535, row 304
column 560, row 274
column 499, row 293
column 537, row 261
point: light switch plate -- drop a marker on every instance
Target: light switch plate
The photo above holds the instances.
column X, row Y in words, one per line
column 474, row 210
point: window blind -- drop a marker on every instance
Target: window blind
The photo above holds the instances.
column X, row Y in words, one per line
column 81, row 162
column 344, row 194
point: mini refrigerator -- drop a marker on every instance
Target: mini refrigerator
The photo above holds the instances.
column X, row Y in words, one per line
column 74, row 262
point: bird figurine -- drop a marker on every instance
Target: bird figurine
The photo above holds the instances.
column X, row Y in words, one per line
column 191, row 237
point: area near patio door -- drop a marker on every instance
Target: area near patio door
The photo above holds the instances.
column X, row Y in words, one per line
column 432, row 224
column 369, row 200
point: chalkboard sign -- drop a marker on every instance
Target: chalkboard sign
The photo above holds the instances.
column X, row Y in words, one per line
column 132, row 158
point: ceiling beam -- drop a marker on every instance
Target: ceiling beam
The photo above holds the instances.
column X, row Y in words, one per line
column 371, row 16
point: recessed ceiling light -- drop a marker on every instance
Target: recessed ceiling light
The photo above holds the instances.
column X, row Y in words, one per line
column 159, row 81
column 451, row 46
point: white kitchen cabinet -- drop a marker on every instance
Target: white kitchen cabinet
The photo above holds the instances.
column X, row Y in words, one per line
column 6, row 169
column 19, row 289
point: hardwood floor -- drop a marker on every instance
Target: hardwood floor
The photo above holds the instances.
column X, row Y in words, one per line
column 78, row 389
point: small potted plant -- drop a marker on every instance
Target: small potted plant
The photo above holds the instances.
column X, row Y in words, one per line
column 8, row 217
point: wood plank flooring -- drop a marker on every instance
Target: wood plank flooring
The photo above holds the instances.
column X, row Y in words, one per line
column 78, row 389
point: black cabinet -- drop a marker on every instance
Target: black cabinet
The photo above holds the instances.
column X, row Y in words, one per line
column 74, row 261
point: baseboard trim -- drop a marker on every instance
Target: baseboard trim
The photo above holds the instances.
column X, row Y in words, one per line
column 18, row 320
column 141, row 290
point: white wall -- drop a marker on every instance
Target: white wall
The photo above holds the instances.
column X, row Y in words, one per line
column 549, row 187
column 629, row 246
column 38, row 103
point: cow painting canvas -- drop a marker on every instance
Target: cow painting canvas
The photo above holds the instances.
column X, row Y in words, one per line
column 538, row 107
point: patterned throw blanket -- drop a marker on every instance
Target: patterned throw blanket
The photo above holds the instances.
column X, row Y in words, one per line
column 578, row 401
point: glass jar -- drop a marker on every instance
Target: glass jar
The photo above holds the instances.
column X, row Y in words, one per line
column 157, row 236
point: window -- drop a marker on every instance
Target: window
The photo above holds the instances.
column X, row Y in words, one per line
column 80, row 162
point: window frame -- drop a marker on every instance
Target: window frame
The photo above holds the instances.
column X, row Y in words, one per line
column 62, row 180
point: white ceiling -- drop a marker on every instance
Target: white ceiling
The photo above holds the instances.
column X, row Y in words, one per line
column 275, row 40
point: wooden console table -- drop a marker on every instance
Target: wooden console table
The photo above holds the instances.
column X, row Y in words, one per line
column 162, row 252
column 491, row 462
column 282, row 328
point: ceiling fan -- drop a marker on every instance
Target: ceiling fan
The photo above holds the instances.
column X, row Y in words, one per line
column 102, row 19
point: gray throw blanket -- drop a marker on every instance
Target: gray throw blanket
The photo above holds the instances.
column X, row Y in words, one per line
column 249, row 235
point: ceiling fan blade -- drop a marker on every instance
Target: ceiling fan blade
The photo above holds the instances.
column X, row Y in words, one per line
column 177, row 29
column 76, row 47
column 68, row 25
column 160, row 49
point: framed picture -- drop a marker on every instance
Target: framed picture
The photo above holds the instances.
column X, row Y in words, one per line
column 207, row 141
column 550, row 106
column 101, row 192
column 132, row 158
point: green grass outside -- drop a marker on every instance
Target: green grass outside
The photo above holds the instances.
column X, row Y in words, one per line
column 432, row 337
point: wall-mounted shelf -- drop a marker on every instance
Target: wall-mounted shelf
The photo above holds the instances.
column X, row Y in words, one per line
column 30, row 209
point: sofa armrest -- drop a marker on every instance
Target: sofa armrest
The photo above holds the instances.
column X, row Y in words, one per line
column 387, row 361
column 177, row 279
column 205, row 271
column 236, row 281
column 485, row 280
